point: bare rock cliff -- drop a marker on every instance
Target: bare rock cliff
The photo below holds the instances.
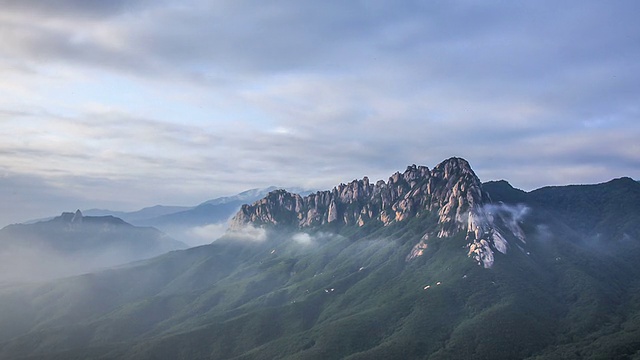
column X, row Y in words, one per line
column 451, row 190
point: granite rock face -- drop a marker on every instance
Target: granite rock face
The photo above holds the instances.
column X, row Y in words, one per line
column 451, row 190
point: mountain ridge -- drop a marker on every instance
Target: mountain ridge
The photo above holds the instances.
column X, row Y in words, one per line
column 451, row 191
column 72, row 243
column 194, row 225
column 350, row 292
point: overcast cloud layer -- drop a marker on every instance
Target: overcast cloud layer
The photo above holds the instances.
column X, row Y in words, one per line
column 125, row 104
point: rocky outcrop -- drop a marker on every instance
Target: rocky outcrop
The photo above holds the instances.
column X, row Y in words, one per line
column 451, row 190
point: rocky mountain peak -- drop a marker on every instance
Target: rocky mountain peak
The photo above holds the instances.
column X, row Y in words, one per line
column 77, row 217
column 451, row 190
column 70, row 217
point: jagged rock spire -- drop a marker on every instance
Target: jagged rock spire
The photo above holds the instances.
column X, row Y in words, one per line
column 451, row 189
column 404, row 195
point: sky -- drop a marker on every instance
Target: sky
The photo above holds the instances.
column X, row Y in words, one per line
column 124, row 104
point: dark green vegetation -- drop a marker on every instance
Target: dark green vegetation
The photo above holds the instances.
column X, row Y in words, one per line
column 348, row 293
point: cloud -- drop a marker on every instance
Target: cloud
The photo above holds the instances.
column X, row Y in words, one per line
column 248, row 233
column 302, row 239
column 73, row 8
column 192, row 100
column 201, row 235
column 515, row 213
column 307, row 240
column 27, row 259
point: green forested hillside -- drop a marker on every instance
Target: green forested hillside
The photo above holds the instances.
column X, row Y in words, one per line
column 348, row 292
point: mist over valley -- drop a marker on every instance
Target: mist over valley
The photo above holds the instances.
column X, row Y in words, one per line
column 431, row 263
column 316, row 180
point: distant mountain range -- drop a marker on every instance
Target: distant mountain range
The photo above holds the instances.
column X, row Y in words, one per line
column 431, row 264
column 80, row 242
column 194, row 225
column 73, row 244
